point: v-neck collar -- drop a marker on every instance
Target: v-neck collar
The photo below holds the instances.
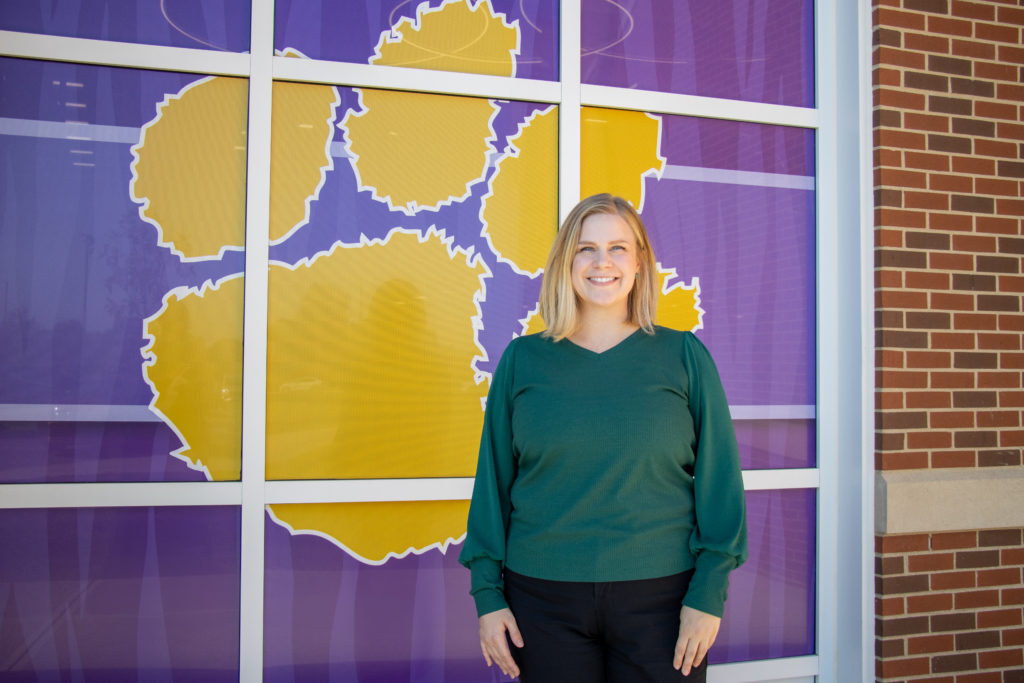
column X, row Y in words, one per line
column 625, row 341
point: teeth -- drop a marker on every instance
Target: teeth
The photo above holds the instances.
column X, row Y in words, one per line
column 602, row 279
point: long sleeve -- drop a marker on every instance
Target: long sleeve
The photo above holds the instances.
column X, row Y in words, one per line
column 719, row 540
column 490, row 507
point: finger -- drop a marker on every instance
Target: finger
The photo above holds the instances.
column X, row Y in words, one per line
column 514, row 634
column 702, row 649
column 691, row 652
column 680, row 652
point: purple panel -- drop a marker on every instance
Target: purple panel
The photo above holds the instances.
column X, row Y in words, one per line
column 349, row 31
column 746, row 229
column 120, row 594
column 770, row 610
column 79, row 270
column 329, row 617
column 768, row 444
column 199, row 24
column 90, row 451
column 754, row 50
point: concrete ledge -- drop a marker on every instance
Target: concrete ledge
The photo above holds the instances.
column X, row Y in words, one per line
column 922, row 501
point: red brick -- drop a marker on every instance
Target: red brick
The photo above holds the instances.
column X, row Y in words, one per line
column 1012, row 360
column 998, row 418
column 995, row 110
column 981, row 243
column 943, row 261
column 997, row 32
column 1012, row 596
column 995, row 148
column 963, row 661
column 994, row 71
column 885, row 358
column 928, row 359
column 900, row 219
column 930, row 562
column 953, row 580
column 952, row 340
column 889, row 400
column 1011, row 15
column 1004, row 341
column 950, row 221
column 888, row 77
column 1013, row 54
column 1011, row 438
column 915, row 460
column 1007, row 188
column 901, row 543
column 1013, row 636
column 889, row 298
column 952, row 27
column 952, row 380
column 973, row 10
column 975, row 321
column 973, row 165
column 929, row 122
column 889, row 157
column 927, row 161
column 985, row 677
column 927, row 280
column 1004, row 576
column 901, row 668
column 1002, row 617
column 921, row 645
column 1002, row 659
column 1012, row 556
column 899, row 99
column 998, row 225
column 888, row 238
column 1013, row 207
column 954, row 419
column 950, row 183
column 924, row 42
column 951, row 540
column 933, row 602
column 1011, row 399
column 889, row 607
column 974, row 49
column 929, row 440
column 903, row 179
column 1010, row 130
column 976, row 599
column 950, row 459
column 927, row 200
column 1002, row 380
column 928, row 399
column 900, row 139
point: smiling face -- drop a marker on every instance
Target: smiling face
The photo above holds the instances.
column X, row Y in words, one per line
column 606, row 263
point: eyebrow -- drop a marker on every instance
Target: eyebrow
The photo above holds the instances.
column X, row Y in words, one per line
column 612, row 242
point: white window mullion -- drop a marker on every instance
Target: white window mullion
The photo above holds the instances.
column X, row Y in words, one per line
column 569, row 143
column 254, row 348
column 132, row 55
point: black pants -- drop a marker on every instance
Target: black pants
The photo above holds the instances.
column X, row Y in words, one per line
column 607, row 632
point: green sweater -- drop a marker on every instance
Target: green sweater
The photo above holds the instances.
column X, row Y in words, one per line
column 607, row 466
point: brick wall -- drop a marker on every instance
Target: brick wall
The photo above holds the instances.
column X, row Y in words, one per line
column 949, row 163
column 949, row 605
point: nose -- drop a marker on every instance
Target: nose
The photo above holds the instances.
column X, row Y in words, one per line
column 602, row 257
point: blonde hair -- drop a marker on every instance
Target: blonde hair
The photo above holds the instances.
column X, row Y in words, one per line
column 559, row 303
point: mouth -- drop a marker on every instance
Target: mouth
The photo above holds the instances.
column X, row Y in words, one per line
column 602, row 280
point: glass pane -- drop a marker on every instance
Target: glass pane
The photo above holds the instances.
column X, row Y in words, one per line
column 501, row 37
column 770, row 610
column 120, row 594
column 754, row 50
column 730, row 208
column 206, row 25
column 121, row 238
column 331, row 617
column 408, row 232
column 767, row 444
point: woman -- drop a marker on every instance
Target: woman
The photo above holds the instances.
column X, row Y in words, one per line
column 608, row 506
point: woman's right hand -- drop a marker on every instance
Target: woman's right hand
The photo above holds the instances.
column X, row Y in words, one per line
column 493, row 627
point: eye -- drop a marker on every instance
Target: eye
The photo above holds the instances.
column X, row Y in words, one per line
column 619, row 247
column 585, row 249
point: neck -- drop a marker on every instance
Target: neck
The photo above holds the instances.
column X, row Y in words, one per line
column 601, row 330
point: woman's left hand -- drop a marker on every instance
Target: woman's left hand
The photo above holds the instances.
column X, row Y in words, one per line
column 697, row 632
